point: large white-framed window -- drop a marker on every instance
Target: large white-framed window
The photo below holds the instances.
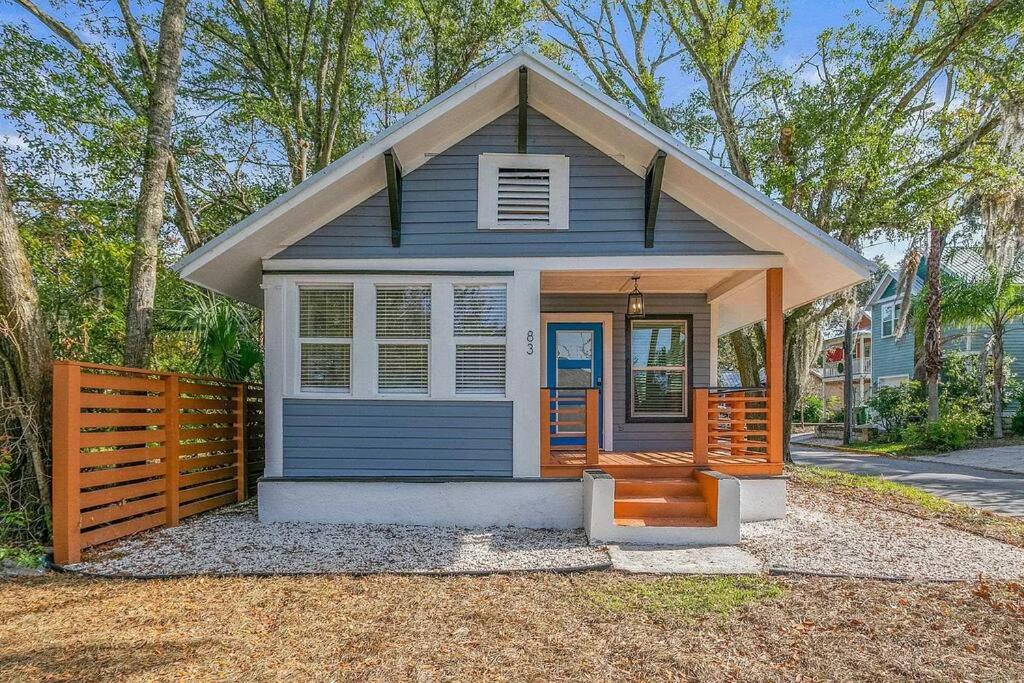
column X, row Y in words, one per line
column 403, row 338
column 659, row 372
column 523, row 192
column 890, row 316
column 325, row 338
column 479, row 328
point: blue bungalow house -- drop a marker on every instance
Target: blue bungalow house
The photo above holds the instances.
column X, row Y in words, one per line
column 504, row 309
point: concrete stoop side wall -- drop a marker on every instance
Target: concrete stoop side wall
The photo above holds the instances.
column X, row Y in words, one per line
column 533, row 504
column 599, row 516
column 762, row 498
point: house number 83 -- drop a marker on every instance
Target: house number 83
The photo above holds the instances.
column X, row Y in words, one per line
column 529, row 342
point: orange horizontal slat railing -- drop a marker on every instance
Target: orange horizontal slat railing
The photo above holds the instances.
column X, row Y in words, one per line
column 138, row 449
column 576, row 414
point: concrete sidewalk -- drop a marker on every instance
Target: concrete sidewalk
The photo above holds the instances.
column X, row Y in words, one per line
column 999, row 492
column 998, row 458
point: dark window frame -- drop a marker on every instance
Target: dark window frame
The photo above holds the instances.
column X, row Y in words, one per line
column 688, row 417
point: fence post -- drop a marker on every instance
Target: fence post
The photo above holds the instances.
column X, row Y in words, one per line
column 700, row 426
column 67, row 391
column 240, row 442
column 172, row 449
column 592, row 418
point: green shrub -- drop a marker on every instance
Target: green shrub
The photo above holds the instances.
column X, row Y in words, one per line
column 950, row 432
column 1017, row 426
column 812, row 410
column 896, row 407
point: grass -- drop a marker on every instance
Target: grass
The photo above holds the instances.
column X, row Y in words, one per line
column 904, row 450
column 684, row 596
column 913, row 500
column 28, row 558
column 534, row 627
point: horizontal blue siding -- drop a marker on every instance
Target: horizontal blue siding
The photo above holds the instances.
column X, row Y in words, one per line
column 439, row 209
column 889, row 355
column 357, row 438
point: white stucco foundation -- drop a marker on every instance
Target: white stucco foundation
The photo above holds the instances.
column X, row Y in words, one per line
column 762, row 498
column 534, row 504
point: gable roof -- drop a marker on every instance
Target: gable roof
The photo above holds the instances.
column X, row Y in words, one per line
column 231, row 263
column 963, row 263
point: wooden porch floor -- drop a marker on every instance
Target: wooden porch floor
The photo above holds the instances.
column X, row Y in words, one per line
column 655, row 464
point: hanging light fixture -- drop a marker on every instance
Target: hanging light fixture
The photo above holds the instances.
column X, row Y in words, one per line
column 635, row 301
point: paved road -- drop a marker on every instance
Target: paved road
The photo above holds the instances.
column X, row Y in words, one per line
column 995, row 491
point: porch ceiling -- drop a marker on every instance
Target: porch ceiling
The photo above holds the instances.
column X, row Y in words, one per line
column 651, row 281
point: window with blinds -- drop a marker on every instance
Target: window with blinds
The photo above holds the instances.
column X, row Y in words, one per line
column 658, row 368
column 325, row 339
column 480, row 322
column 403, row 339
column 523, row 191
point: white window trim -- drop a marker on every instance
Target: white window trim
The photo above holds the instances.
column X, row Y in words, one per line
column 364, row 343
column 887, row 306
column 684, row 367
column 487, row 189
column 300, row 340
column 479, row 341
column 888, row 378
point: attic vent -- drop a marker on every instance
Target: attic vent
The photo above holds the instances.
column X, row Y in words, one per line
column 523, row 192
column 524, row 196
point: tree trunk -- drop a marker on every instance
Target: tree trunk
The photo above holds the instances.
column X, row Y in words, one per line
column 24, row 347
column 848, row 416
column 997, row 382
column 933, row 320
column 747, row 364
column 149, row 215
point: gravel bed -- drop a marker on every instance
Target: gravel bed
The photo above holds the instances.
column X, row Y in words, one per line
column 831, row 534
column 233, row 541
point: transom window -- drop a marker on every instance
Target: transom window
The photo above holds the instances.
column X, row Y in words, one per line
column 403, row 339
column 480, row 319
column 325, row 339
column 890, row 314
column 658, row 376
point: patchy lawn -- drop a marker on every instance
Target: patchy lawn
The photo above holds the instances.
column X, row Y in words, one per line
column 911, row 500
column 898, row 449
column 537, row 627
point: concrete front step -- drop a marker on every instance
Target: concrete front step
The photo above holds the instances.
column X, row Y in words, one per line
column 664, row 521
column 660, row 506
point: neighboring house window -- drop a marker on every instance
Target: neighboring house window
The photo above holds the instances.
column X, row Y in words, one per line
column 892, row 380
column 523, row 192
column 403, row 339
column 659, row 376
column 325, row 339
column 480, row 320
column 890, row 314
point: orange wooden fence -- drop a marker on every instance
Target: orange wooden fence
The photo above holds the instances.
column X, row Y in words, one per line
column 732, row 424
column 569, row 413
column 138, row 449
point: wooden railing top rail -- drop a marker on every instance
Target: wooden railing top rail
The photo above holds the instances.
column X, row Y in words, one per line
column 155, row 373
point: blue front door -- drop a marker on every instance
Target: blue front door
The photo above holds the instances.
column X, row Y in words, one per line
column 575, row 361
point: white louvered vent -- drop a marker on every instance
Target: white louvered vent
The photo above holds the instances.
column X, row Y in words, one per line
column 524, row 196
column 403, row 339
column 523, row 192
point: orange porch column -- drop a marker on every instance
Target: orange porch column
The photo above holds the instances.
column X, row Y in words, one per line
column 773, row 361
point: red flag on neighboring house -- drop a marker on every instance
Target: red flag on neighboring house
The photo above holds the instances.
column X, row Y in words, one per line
column 834, row 354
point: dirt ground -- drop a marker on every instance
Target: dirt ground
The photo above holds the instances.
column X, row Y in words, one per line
column 535, row 627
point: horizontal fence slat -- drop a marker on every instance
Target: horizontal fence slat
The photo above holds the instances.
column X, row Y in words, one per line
column 204, row 476
column 189, row 464
column 112, row 513
column 121, row 383
column 195, row 508
column 123, row 420
column 132, row 526
column 114, row 475
column 208, row 433
column 123, row 401
column 206, row 447
column 206, row 404
column 207, row 418
column 206, row 389
column 205, row 490
column 121, row 457
column 121, row 438
column 119, row 493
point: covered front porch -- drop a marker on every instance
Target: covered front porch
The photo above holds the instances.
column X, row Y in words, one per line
column 586, row 424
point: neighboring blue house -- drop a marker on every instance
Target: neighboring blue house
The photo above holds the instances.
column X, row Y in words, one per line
column 505, row 309
column 894, row 358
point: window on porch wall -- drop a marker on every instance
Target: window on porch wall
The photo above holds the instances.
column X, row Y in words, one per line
column 325, row 339
column 480, row 320
column 403, row 339
column 658, row 372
